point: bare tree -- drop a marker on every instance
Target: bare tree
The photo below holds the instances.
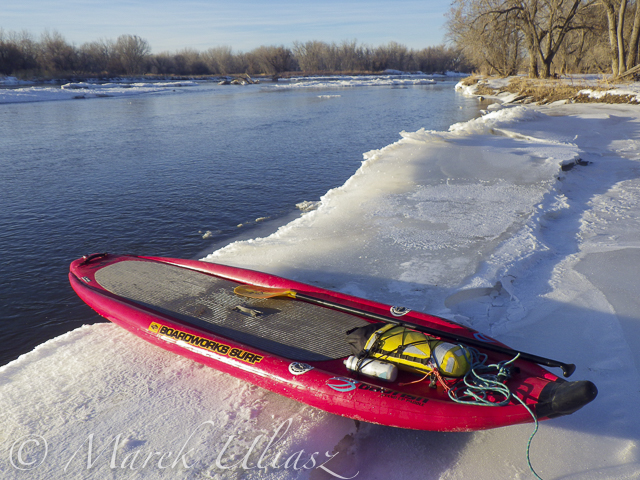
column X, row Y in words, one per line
column 380, row 59
column 132, row 53
column 10, row 55
column 310, row 55
column 542, row 25
column 273, row 60
column 487, row 33
column 57, row 56
column 439, row 59
column 623, row 45
column 29, row 50
column 97, row 56
column 632, row 56
column 220, row 60
column 585, row 50
column 546, row 24
column 396, row 56
column 190, row 62
column 332, row 59
column 248, row 63
column 351, row 56
column 163, row 64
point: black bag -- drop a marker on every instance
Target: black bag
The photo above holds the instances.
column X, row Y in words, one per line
column 357, row 337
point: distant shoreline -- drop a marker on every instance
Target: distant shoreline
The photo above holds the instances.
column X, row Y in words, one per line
column 14, row 82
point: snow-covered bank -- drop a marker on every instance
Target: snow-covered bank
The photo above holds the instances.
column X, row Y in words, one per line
column 568, row 89
column 481, row 224
column 84, row 90
column 99, row 403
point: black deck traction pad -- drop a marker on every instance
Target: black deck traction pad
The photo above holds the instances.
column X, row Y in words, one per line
column 282, row 326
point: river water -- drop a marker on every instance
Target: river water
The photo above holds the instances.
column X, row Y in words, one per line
column 175, row 174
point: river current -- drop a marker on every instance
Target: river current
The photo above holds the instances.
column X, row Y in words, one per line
column 175, row 174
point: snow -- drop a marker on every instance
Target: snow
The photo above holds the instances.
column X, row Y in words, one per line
column 141, row 409
column 596, row 87
column 390, row 71
column 9, row 81
column 633, row 93
column 84, row 90
column 481, row 224
column 22, row 91
column 341, row 81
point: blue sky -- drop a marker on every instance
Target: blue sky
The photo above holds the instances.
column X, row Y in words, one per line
column 241, row 24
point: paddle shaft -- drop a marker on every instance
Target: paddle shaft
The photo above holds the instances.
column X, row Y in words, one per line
column 567, row 368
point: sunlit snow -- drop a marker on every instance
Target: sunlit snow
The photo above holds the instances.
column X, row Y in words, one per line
column 84, row 90
column 481, row 224
column 355, row 81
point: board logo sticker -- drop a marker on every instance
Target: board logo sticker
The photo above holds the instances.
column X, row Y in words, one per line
column 297, row 368
column 342, row 384
column 395, row 395
column 397, row 311
column 178, row 336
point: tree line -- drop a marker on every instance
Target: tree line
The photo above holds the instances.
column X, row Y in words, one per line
column 52, row 56
column 547, row 37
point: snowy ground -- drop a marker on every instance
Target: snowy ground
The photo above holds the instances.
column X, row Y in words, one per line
column 524, row 223
column 595, row 87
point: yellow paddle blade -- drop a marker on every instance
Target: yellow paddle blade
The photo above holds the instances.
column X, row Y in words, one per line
column 253, row 291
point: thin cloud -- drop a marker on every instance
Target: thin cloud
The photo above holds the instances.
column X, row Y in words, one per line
column 244, row 25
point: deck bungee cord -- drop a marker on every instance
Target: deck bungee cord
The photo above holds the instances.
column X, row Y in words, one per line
column 482, row 384
column 256, row 291
column 482, row 380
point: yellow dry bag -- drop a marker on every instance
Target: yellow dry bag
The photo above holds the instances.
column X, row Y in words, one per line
column 417, row 352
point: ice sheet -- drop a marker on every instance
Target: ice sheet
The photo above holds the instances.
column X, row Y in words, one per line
column 84, row 90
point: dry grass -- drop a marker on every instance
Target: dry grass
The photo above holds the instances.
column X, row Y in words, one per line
column 547, row 91
column 470, row 80
column 484, row 89
column 543, row 92
column 632, row 99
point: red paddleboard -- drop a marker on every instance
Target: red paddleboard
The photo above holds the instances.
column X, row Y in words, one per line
column 298, row 348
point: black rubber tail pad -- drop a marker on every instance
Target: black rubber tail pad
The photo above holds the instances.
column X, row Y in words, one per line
column 563, row 398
